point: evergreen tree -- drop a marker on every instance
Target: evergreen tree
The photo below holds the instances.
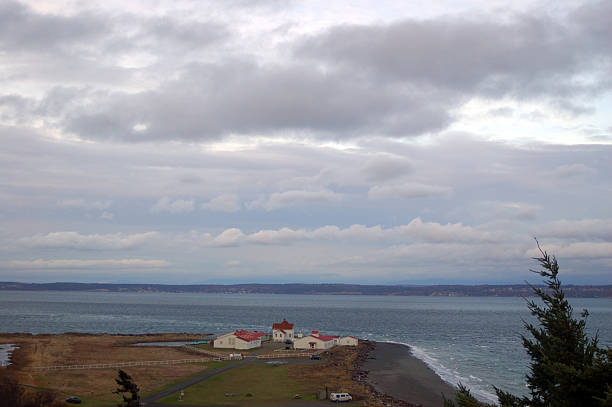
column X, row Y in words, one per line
column 127, row 389
column 567, row 367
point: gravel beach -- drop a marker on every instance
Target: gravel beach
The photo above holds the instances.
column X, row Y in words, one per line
column 394, row 371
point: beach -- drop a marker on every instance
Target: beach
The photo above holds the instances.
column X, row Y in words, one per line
column 393, row 370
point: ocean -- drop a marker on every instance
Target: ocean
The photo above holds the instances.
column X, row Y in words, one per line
column 472, row 340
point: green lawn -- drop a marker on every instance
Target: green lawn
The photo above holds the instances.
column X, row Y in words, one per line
column 210, row 365
column 267, row 384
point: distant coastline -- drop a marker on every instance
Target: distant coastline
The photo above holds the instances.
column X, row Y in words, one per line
column 518, row 290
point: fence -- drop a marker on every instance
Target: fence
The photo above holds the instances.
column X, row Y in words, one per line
column 127, row 364
column 284, row 355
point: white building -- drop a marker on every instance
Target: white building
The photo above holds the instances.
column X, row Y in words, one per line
column 348, row 341
column 282, row 331
column 238, row 340
column 314, row 341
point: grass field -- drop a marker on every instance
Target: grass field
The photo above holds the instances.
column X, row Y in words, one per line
column 95, row 387
column 267, row 384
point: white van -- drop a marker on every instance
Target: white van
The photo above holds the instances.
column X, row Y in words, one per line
column 340, row 397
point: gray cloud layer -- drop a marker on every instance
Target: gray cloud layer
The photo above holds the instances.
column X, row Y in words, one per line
column 400, row 79
column 257, row 143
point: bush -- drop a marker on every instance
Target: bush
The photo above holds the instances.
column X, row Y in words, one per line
column 567, row 367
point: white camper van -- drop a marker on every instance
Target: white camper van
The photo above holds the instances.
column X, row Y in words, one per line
column 340, row 397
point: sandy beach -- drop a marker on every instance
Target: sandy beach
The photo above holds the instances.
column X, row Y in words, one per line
column 394, row 371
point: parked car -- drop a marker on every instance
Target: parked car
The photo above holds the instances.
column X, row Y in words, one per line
column 288, row 342
column 337, row 397
column 315, row 357
column 73, row 400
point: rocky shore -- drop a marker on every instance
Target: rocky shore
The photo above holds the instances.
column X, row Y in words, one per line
column 395, row 377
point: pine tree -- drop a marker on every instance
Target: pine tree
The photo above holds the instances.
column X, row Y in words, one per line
column 567, row 367
column 128, row 390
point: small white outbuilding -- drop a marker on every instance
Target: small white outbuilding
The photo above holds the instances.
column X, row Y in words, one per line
column 348, row 341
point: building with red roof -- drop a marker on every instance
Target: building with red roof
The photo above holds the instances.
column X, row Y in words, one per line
column 240, row 339
column 315, row 340
column 282, row 331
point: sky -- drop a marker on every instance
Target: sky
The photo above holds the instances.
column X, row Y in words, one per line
column 275, row 141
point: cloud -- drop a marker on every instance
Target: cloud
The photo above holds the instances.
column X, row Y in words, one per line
column 580, row 250
column 386, row 168
column 407, row 190
column 281, row 236
column 453, row 252
column 526, row 55
column 515, row 210
column 407, row 78
column 415, row 231
column 61, row 264
column 228, row 238
column 86, row 204
column 590, row 229
column 21, row 28
column 572, row 170
column 107, row 215
column 451, row 232
column 177, row 206
column 279, row 200
column 258, row 98
column 77, row 241
column 222, row 203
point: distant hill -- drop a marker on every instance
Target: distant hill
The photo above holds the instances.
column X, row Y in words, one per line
column 519, row 290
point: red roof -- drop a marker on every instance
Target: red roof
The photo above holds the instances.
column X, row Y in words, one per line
column 282, row 325
column 260, row 333
column 324, row 338
column 247, row 336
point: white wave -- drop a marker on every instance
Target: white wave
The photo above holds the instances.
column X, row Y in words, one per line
column 451, row 377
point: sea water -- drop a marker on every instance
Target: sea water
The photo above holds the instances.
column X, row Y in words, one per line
column 472, row 340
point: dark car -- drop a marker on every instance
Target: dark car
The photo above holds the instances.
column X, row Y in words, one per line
column 288, row 342
column 315, row 357
column 73, row 400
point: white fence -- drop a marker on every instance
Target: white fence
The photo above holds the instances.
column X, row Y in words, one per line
column 127, row 364
column 284, row 355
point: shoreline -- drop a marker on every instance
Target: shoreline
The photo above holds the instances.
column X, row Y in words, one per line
column 394, row 371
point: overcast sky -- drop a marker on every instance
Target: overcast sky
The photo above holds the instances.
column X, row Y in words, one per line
column 184, row 141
